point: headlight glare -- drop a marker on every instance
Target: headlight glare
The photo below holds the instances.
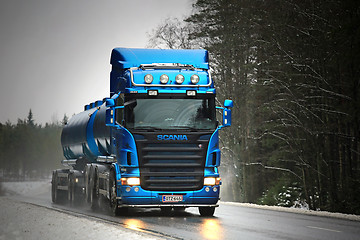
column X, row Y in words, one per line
column 133, row 181
column 211, row 181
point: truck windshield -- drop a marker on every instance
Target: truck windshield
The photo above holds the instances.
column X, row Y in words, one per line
column 170, row 114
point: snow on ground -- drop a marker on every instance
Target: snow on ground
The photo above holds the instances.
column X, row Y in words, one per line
column 30, row 188
column 20, row 220
column 297, row 210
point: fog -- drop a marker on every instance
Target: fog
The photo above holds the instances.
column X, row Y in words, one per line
column 54, row 55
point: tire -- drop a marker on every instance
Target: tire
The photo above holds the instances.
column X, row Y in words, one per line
column 206, row 211
column 87, row 183
column 94, row 189
column 57, row 196
column 53, row 188
column 71, row 189
column 113, row 203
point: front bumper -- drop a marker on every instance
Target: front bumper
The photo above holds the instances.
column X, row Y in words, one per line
column 135, row 196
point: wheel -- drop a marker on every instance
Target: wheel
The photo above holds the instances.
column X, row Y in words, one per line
column 114, row 205
column 53, row 188
column 57, row 196
column 206, row 211
column 71, row 189
column 87, row 183
column 94, row 189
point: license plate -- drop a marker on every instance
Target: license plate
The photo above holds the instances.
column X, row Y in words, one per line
column 172, row 198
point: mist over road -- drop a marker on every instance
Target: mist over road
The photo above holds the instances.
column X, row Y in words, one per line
column 229, row 222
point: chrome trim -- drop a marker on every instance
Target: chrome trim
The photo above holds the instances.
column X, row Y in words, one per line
column 166, row 85
column 106, row 159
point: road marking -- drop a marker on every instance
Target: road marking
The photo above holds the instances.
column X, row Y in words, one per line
column 325, row 229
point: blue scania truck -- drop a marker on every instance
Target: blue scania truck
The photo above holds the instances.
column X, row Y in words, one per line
column 153, row 143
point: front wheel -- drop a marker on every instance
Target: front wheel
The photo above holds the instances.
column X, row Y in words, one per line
column 114, row 205
column 206, row 211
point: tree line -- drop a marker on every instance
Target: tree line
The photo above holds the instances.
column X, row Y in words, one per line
column 29, row 150
column 293, row 71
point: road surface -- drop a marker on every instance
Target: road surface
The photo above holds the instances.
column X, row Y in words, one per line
column 229, row 222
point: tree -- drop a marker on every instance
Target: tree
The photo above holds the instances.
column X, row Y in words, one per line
column 292, row 69
column 30, row 119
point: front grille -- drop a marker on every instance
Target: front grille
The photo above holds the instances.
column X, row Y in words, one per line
column 172, row 165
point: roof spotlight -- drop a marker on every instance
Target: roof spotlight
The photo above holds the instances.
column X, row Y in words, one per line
column 194, row 79
column 179, row 79
column 148, row 78
column 164, row 79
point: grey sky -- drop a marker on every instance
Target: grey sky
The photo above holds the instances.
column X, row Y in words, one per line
column 54, row 54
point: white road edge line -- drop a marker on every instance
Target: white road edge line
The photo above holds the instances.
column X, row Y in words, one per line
column 325, row 229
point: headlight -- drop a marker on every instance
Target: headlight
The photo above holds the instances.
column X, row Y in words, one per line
column 179, row 79
column 194, row 79
column 164, row 79
column 148, row 78
column 211, row 181
column 133, row 181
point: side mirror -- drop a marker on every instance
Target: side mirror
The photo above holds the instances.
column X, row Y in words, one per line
column 228, row 103
column 227, row 112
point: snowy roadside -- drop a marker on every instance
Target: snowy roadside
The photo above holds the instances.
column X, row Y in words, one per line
column 297, row 210
column 19, row 220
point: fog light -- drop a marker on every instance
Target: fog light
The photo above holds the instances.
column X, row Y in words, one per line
column 136, row 189
column 215, row 189
column 207, row 189
column 128, row 189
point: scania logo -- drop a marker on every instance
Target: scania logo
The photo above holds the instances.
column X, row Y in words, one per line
column 172, row 137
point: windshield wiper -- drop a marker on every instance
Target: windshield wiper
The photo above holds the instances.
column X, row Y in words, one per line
column 184, row 127
column 148, row 128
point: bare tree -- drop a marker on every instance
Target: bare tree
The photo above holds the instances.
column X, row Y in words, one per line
column 174, row 34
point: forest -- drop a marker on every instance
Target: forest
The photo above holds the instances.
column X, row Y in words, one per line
column 293, row 70
column 29, row 151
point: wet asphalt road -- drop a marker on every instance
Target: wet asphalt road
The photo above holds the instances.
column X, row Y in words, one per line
column 229, row 222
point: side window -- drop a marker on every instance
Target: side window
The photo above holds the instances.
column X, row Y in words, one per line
column 120, row 112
